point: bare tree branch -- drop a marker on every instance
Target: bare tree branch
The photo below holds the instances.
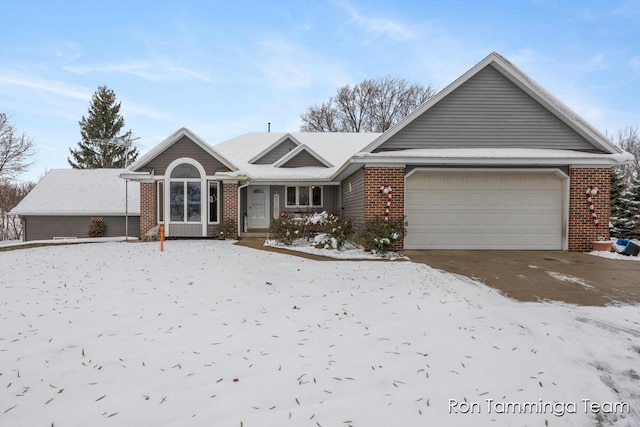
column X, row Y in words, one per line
column 15, row 150
column 371, row 106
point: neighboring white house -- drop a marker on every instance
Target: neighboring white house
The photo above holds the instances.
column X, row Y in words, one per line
column 64, row 201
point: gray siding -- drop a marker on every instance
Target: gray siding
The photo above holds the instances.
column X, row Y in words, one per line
column 303, row 158
column 276, row 153
column 330, row 200
column 185, row 230
column 48, row 227
column 353, row 198
column 488, row 111
column 184, row 147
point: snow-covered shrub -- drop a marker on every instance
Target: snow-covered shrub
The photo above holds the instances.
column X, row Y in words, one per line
column 337, row 231
column 334, row 231
column 286, row 229
column 380, row 235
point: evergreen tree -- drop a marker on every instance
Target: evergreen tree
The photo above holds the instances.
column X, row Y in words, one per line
column 619, row 223
column 102, row 144
column 633, row 212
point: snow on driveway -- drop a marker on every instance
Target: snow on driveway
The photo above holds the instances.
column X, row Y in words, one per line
column 208, row 333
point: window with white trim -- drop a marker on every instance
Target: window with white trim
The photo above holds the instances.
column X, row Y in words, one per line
column 185, row 190
column 160, row 204
column 214, row 206
column 304, row 196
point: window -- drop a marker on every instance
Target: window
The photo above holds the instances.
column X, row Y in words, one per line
column 185, row 170
column 160, row 205
column 185, row 194
column 176, row 197
column 193, row 201
column 304, row 196
column 213, row 201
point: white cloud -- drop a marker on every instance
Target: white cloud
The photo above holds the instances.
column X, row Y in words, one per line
column 135, row 68
column 50, row 86
column 155, row 70
column 379, row 26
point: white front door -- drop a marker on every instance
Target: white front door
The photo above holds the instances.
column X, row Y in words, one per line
column 258, row 206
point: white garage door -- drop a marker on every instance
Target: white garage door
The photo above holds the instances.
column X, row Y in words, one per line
column 484, row 210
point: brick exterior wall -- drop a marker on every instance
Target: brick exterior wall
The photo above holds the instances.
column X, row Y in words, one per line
column 230, row 204
column 375, row 202
column 148, row 209
column 582, row 230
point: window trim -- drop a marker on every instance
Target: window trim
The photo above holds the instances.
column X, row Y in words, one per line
column 184, row 182
column 160, row 201
column 168, row 180
column 217, row 183
column 297, row 200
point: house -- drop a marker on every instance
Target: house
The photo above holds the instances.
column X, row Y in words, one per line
column 493, row 161
column 192, row 188
column 64, row 202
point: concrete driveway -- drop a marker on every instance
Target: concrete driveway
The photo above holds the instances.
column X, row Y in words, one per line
column 572, row 277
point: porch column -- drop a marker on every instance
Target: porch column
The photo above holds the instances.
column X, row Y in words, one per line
column 582, row 228
column 230, row 204
column 375, row 202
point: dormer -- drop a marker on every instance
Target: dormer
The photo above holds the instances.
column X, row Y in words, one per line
column 276, row 151
column 302, row 156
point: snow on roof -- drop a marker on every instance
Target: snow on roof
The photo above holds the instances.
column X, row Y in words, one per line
column 334, row 147
column 81, row 192
column 483, row 155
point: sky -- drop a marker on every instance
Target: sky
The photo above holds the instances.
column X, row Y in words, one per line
column 223, row 69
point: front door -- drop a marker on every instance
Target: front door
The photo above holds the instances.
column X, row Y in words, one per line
column 258, row 206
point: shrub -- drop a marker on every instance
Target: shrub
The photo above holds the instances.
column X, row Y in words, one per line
column 285, row 230
column 380, row 235
column 96, row 226
column 227, row 229
column 337, row 231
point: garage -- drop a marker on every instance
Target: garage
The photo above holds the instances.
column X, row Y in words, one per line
column 476, row 209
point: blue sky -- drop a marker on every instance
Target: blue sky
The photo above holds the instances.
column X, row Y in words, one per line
column 226, row 68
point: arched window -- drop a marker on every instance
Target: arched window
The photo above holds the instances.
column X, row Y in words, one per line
column 185, row 194
column 185, row 170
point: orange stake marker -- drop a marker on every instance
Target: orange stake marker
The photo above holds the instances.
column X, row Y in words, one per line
column 161, row 237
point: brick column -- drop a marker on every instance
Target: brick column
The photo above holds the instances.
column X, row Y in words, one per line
column 582, row 230
column 375, row 202
column 148, row 209
column 230, row 204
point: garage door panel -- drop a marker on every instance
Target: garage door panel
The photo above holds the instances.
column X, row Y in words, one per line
column 495, row 210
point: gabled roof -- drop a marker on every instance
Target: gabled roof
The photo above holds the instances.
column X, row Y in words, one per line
column 300, row 149
column 172, row 139
column 525, row 83
column 99, row 192
column 286, row 137
column 331, row 150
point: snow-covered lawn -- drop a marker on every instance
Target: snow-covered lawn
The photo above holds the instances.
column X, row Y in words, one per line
column 207, row 333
